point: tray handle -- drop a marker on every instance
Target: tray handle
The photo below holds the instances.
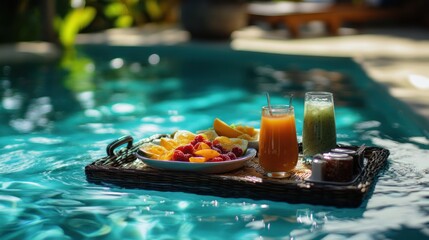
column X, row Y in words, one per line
column 110, row 149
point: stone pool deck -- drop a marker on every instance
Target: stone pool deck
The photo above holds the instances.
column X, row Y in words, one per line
column 397, row 58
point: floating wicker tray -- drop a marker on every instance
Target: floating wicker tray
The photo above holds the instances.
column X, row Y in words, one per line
column 124, row 170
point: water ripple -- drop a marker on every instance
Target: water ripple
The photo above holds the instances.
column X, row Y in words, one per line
column 12, row 163
column 46, row 140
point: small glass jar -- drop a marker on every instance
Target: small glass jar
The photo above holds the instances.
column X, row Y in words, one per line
column 338, row 167
column 357, row 159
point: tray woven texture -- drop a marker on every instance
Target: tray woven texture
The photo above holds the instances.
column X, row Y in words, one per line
column 123, row 169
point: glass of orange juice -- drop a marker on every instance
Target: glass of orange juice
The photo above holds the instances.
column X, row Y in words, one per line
column 278, row 144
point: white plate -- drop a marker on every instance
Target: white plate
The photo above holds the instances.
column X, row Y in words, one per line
column 253, row 144
column 207, row 167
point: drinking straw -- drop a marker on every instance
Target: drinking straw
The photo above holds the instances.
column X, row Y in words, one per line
column 290, row 100
column 269, row 104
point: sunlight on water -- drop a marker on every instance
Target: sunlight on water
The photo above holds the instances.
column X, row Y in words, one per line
column 50, row 132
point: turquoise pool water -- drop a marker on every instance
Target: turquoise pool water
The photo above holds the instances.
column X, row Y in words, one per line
column 58, row 117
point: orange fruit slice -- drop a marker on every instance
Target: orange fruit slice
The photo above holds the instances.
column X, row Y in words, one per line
column 202, row 146
column 223, row 129
column 168, row 143
column 207, row 153
column 246, row 137
column 152, row 150
column 250, row 132
column 197, row 159
column 168, row 155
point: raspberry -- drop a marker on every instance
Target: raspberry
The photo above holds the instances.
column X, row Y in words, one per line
column 199, row 138
column 178, row 156
column 217, row 150
column 196, row 145
column 218, row 146
column 188, row 149
column 216, row 159
column 180, row 148
column 237, row 151
column 187, row 156
column 225, row 157
column 231, row 155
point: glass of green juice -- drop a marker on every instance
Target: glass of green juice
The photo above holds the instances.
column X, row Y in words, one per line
column 318, row 133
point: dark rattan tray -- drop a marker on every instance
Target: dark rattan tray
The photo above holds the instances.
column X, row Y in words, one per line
column 122, row 169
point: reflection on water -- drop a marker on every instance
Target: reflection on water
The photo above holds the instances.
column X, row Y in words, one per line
column 55, row 121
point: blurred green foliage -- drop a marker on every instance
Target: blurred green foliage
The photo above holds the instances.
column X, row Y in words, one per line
column 73, row 22
column 99, row 15
column 26, row 20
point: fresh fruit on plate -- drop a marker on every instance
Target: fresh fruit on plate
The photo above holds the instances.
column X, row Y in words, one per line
column 235, row 131
column 198, row 149
column 223, row 129
column 168, row 143
column 251, row 131
column 183, row 136
column 209, row 134
column 197, row 159
column 207, row 153
column 153, row 150
column 228, row 144
column 202, row 145
column 168, row 155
